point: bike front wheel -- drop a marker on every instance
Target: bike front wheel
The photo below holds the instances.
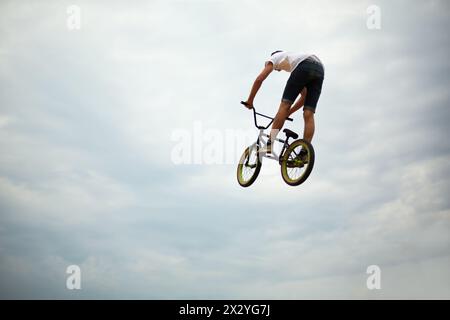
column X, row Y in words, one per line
column 249, row 166
column 296, row 166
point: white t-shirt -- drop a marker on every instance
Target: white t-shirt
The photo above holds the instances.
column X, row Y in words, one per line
column 287, row 61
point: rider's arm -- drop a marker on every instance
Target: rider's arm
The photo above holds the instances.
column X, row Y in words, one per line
column 300, row 102
column 258, row 82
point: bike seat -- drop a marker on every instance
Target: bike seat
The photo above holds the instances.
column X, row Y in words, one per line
column 290, row 134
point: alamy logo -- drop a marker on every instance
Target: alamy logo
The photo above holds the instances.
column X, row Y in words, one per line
column 374, row 280
column 208, row 146
column 374, row 19
column 74, row 280
column 74, row 17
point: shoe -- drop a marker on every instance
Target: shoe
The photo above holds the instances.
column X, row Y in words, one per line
column 300, row 160
column 303, row 156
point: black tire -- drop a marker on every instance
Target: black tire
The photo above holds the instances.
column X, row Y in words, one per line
column 289, row 161
column 244, row 163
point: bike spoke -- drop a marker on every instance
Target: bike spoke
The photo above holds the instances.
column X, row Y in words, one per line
column 250, row 164
column 295, row 172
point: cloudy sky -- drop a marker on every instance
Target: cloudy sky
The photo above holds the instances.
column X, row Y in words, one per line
column 90, row 117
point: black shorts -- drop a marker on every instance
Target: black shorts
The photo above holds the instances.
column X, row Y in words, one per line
column 310, row 74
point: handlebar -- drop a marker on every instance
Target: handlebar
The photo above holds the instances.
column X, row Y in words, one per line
column 262, row 115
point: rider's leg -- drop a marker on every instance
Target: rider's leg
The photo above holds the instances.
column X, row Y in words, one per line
column 308, row 133
column 280, row 118
column 308, row 116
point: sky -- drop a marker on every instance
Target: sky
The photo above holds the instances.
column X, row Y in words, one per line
column 90, row 119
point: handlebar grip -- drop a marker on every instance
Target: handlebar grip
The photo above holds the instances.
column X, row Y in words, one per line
column 244, row 103
column 290, row 119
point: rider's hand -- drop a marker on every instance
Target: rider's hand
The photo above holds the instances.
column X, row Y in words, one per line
column 248, row 104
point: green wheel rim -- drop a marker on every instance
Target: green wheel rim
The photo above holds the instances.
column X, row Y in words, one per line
column 293, row 170
column 249, row 166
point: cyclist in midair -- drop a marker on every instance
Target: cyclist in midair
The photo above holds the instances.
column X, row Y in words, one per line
column 306, row 79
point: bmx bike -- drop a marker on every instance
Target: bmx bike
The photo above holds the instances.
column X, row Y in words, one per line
column 296, row 159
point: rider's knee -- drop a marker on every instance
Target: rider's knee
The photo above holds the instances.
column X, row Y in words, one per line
column 286, row 105
column 308, row 115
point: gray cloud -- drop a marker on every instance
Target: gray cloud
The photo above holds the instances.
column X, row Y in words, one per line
column 86, row 177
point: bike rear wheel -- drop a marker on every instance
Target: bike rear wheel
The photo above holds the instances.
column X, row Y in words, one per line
column 249, row 166
column 296, row 168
